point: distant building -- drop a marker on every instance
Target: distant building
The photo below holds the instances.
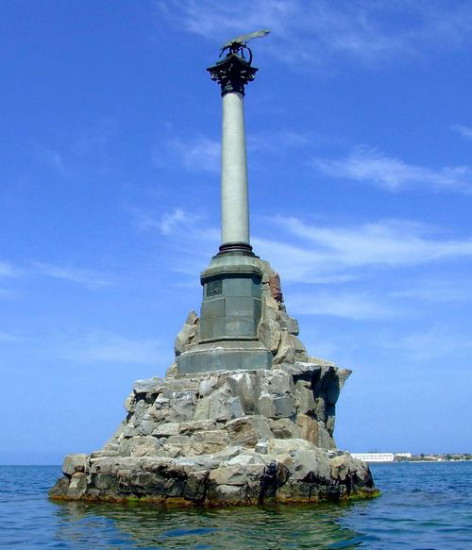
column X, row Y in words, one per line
column 374, row 457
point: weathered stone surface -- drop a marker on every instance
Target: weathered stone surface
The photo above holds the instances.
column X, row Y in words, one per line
column 247, row 431
column 285, row 428
column 166, row 429
column 217, row 406
column 73, row 463
column 309, row 429
column 209, row 442
column 189, row 334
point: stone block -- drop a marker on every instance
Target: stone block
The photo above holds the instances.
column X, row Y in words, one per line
column 290, row 325
column 309, row 429
column 247, row 431
column 265, row 405
column 146, row 426
column 235, row 475
column 77, row 486
column 290, row 349
column 261, row 447
column 241, row 384
column 187, row 428
column 287, row 446
column 188, row 336
column 284, row 428
column 159, row 410
column 217, row 406
column 207, row 385
column 73, row 463
column 243, row 460
column 305, row 398
column 144, row 446
column 129, row 403
column 209, row 442
column 227, row 494
column 147, row 388
column 325, row 440
column 166, row 429
column 284, row 406
column 269, row 334
column 195, row 487
column 183, row 409
column 279, row 382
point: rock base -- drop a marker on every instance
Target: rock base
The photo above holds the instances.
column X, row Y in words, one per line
column 224, row 438
column 292, row 471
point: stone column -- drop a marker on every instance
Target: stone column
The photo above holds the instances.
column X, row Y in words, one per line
column 232, row 283
column 234, row 189
column 232, row 74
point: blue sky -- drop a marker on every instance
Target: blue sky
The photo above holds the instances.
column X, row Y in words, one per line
column 359, row 129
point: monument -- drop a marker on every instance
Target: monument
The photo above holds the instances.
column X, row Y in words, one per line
column 232, row 284
column 244, row 415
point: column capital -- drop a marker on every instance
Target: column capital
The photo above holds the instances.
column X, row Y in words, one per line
column 232, row 73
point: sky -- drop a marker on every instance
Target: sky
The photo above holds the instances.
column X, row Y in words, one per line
column 359, row 135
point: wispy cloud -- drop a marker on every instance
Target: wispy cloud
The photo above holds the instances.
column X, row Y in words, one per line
column 374, row 167
column 66, row 157
column 88, row 278
column 176, row 223
column 464, row 131
column 203, row 154
column 319, row 253
column 437, row 291
column 359, row 306
column 191, row 240
column 320, row 31
column 7, row 337
column 7, row 270
column 197, row 154
column 50, row 158
column 438, row 340
column 112, row 348
column 322, row 250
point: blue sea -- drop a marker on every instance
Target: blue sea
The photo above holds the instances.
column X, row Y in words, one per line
column 423, row 506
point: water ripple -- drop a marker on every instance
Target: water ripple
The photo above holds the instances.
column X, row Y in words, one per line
column 424, row 506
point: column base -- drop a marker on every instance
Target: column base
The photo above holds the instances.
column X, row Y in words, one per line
column 242, row 248
column 225, row 355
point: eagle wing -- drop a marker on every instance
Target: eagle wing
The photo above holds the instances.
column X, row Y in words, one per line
column 243, row 38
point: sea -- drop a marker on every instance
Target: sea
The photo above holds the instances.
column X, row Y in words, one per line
column 423, row 506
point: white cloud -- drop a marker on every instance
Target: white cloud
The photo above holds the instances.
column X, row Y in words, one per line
column 464, row 131
column 342, row 250
column 437, row 291
column 7, row 270
column 198, row 154
column 437, row 341
column 190, row 241
column 84, row 277
column 112, row 348
column 317, row 253
column 203, row 154
column 348, row 305
column 176, row 221
column 7, row 337
column 320, row 31
column 50, row 157
column 371, row 166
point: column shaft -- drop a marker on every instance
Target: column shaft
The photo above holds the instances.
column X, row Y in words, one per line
column 234, row 186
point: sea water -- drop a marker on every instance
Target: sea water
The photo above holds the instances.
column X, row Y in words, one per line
column 423, row 506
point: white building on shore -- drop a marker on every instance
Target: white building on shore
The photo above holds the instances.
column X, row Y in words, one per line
column 374, row 457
